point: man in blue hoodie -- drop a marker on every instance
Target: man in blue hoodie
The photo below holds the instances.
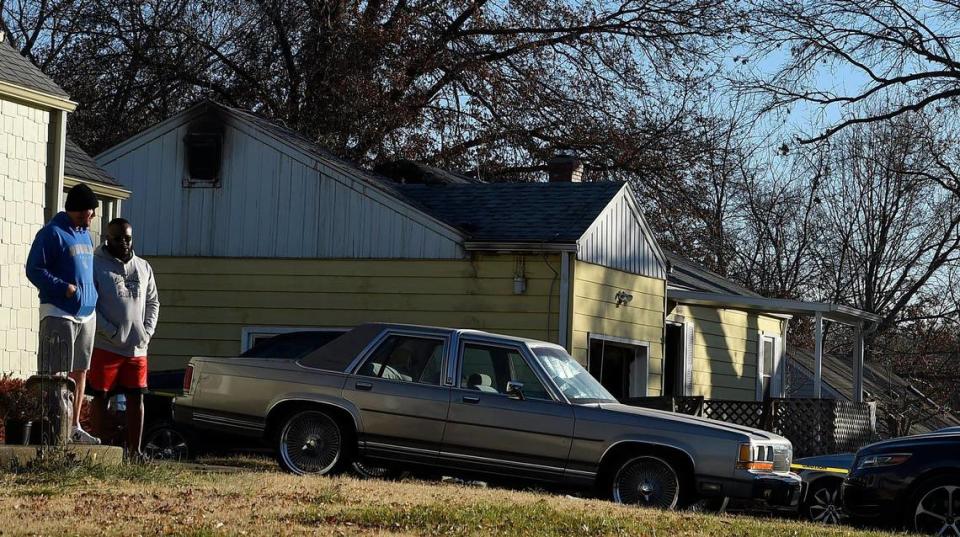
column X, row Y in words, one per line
column 60, row 265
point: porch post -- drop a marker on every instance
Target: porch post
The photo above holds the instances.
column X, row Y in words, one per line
column 858, row 364
column 817, row 355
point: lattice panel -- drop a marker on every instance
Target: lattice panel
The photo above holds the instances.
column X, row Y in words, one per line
column 854, row 425
column 748, row 413
column 814, row 426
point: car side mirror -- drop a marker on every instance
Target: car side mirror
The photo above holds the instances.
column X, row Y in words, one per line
column 515, row 390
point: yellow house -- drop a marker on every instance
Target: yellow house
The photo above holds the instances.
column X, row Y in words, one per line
column 253, row 230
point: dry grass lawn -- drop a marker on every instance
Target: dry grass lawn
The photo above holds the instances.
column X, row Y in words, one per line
column 160, row 500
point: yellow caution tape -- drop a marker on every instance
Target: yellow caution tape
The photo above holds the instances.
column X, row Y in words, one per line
column 820, row 469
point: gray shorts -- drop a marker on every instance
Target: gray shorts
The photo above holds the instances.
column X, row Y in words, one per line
column 65, row 345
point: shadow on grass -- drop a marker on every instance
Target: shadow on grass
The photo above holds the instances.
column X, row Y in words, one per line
column 54, row 470
column 545, row 520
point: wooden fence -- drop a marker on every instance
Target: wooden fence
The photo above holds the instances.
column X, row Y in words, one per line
column 814, row 426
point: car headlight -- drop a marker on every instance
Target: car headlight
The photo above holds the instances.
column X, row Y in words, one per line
column 757, row 457
column 880, row 461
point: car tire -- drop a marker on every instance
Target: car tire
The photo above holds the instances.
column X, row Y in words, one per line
column 311, row 442
column 822, row 504
column 935, row 507
column 646, row 481
column 164, row 441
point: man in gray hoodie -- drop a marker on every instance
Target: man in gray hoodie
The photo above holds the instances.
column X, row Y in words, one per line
column 127, row 314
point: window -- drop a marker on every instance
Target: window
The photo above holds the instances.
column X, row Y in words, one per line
column 252, row 336
column 767, row 365
column 406, row 358
column 292, row 345
column 488, row 368
column 203, row 154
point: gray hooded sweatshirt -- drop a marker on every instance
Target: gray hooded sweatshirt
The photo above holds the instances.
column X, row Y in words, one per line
column 128, row 307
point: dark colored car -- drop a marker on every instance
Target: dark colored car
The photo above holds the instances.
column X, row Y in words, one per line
column 823, row 477
column 912, row 482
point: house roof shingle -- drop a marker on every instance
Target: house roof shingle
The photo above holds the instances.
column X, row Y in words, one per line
column 79, row 165
column 838, row 374
column 691, row 275
column 516, row 212
column 18, row 70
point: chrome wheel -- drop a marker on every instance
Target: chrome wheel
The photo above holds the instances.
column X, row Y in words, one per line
column 824, row 506
column 165, row 444
column 310, row 443
column 647, row 481
column 938, row 511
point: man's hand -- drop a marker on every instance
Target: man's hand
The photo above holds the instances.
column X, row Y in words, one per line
column 71, row 290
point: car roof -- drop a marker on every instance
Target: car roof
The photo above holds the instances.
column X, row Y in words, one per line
column 339, row 353
column 462, row 331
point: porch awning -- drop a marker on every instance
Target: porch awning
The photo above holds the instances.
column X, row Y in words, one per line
column 831, row 312
column 862, row 321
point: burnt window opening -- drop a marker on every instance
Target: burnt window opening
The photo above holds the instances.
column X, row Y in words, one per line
column 203, row 148
column 204, row 154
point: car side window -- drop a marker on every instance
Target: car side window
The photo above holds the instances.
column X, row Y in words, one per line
column 406, row 358
column 488, row 368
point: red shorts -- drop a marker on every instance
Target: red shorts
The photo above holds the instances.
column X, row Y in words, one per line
column 113, row 373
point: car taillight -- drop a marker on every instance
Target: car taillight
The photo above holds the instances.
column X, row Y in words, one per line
column 187, row 379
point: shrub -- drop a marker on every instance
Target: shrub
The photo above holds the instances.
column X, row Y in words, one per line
column 16, row 403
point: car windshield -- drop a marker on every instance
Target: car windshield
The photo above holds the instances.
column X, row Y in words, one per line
column 572, row 379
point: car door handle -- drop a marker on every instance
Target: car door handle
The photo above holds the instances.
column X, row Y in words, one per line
column 365, row 386
column 472, row 399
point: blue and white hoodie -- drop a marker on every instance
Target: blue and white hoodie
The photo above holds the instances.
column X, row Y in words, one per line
column 61, row 255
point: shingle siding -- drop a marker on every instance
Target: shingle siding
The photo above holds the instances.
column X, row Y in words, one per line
column 23, row 160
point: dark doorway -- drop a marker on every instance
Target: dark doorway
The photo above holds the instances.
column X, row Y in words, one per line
column 673, row 361
column 620, row 367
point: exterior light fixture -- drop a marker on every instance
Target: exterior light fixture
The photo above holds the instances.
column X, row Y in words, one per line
column 623, row 298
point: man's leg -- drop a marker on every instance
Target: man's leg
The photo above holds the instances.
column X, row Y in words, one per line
column 133, row 379
column 98, row 415
column 102, row 380
column 134, row 421
column 80, row 383
column 83, row 351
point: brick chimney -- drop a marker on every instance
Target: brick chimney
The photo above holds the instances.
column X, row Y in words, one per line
column 565, row 167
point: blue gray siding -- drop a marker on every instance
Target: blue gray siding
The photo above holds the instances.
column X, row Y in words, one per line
column 275, row 200
column 620, row 239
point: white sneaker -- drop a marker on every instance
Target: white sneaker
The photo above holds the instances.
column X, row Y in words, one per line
column 79, row 436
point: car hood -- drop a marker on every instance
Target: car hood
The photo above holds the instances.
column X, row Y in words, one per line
column 836, row 460
column 754, row 434
column 918, row 439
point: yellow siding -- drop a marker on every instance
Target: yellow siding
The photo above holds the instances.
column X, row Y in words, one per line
column 206, row 302
column 595, row 312
column 725, row 349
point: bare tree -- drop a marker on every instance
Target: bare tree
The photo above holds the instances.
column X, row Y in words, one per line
column 836, row 56
column 889, row 228
column 469, row 84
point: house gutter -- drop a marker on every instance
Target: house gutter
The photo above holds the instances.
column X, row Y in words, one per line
column 98, row 188
column 36, row 98
column 519, row 247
